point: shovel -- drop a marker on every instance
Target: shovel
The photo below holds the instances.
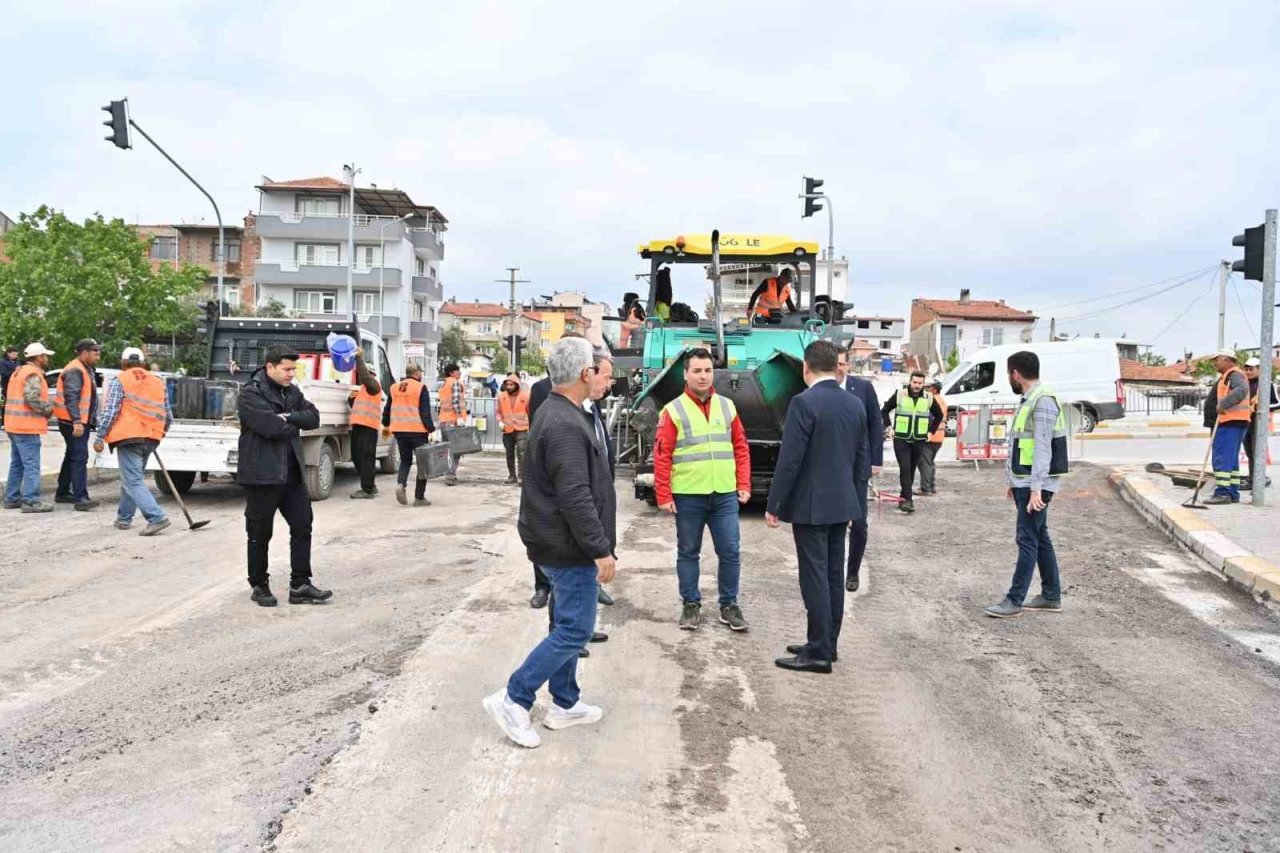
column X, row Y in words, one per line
column 191, row 525
column 1193, row 502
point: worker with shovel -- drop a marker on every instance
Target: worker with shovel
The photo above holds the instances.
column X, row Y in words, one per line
column 1234, row 414
column 134, row 419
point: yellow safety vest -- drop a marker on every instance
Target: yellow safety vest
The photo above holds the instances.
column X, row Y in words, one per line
column 911, row 416
column 703, row 461
column 1022, row 434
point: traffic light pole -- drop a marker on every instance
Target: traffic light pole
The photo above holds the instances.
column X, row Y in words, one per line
column 831, row 259
column 222, row 243
column 513, row 281
column 1262, row 418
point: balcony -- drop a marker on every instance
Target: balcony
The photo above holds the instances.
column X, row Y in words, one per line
column 383, row 325
column 425, row 238
column 327, row 228
column 426, row 287
column 324, row 275
column 424, row 332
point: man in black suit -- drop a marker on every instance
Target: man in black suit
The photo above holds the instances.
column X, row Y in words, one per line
column 824, row 455
column 866, row 393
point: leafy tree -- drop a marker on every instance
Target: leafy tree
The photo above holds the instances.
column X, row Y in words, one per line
column 64, row 281
column 272, row 308
column 953, row 360
column 1204, row 366
column 453, row 347
column 1151, row 359
column 532, row 361
column 501, row 361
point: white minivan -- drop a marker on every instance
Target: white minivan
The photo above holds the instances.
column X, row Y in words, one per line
column 1085, row 373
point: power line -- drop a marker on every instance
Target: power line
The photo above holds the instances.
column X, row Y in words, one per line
column 1089, row 315
column 1132, row 289
column 1184, row 312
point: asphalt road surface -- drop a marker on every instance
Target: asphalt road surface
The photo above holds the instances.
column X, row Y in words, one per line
column 146, row 704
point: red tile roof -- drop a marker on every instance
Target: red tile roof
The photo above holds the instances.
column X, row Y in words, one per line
column 481, row 309
column 1136, row 371
column 325, row 183
column 975, row 309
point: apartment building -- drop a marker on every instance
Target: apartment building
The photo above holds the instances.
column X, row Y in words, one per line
column 486, row 326
column 940, row 327
column 197, row 245
column 395, row 268
column 571, row 311
column 739, row 281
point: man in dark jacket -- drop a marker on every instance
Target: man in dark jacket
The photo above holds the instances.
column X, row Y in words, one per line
column 865, row 391
column 822, row 459
column 918, row 414
column 568, row 525
column 270, row 467
column 77, row 384
column 8, row 366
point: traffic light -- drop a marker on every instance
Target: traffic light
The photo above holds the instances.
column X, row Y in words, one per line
column 119, row 123
column 811, row 204
column 211, row 311
column 1252, row 240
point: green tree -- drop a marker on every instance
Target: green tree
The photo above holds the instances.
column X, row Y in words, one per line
column 953, row 360
column 532, row 361
column 1151, row 359
column 64, row 281
column 500, row 362
column 453, row 348
column 1204, row 366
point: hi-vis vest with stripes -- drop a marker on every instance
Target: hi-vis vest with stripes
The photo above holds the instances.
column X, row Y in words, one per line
column 702, row 462
column 1022, row 434
column 19, row 418
column 366, row 410
column 59, row 397
column 142, row 410
column 405, row 413
column 911, row 416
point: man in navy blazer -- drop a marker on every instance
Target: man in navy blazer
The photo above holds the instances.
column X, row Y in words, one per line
column 865, row 391
column 824, row 455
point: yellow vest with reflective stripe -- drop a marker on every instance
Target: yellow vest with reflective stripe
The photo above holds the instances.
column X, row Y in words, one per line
column 1023, row 437
column 911, row 416
column 703, row 462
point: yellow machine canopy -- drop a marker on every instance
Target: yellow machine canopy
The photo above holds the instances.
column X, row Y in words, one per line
column 740, row 245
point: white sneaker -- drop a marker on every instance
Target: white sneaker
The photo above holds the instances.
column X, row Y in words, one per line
column 512, row 719
column 579, row 715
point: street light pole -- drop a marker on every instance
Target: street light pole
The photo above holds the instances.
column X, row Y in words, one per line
column 1262, row 418
column 351, row 170
column 513, row 281
column 1222, row 305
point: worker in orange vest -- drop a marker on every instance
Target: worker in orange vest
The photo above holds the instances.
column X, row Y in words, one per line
column 1234, row 413
column 772, row 295
column 513, row 417
column 75, row 405
column 135, row 417
column 453, row 411
column 26, row 420
column 408, row 414
column 366, row 419
column 928, row 463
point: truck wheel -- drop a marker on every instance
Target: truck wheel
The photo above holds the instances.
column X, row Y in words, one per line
column 320, row 476
column 390, row 464
column 182, row 481
column 1088, row 419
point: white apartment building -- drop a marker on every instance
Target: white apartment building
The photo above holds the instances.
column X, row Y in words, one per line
column 395, row 269
column 739, row 281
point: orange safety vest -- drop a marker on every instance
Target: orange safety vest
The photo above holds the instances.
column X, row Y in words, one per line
column 772, row 299
column 1239, row 413
column 513, row 411
column 447, row 414
column 939, row 435
column 19, row 418
column 406, row 397
column 366, row 410
column 142, row 410
column 60, row 393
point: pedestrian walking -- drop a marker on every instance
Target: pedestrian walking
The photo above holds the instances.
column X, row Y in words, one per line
column 273, row 413
column 917, row 414
column 859, row 531
column 568, row 525
column 929, row 459
column 366, row 404
column 453, row 412
column 513, row 417
column 701, row 474
column 75, row 405
column 1037, row 459
column 1234, row 413
column 408, row 416
column 8, row 366
column 1268, row 403
column 26, row 420
column 135, row 417
column 823, row 457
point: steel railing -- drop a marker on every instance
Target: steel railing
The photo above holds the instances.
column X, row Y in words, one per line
column 1150, row 401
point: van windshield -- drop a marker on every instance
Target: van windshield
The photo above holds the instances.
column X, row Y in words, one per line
column 978, row 376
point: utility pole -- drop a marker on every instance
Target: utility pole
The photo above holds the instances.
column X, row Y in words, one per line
column 1262, row 422
column 351, row 171
column 513, row 281
column 1222, row 305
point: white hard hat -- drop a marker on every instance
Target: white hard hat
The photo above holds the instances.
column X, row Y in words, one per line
column 1253, row 362
column 132, row 354
column 36, row 349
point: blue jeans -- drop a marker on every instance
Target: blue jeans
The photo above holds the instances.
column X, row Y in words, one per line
column 24, row 469
column 554, row 661
column 718, row 511
column 134, row 494
column 1226, row 459
column 73, row 479
column 1034, row 548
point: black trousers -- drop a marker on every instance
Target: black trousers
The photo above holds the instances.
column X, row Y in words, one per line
column 820, row 549
column 858, row 532
column 514, row 442
column 908, row 454
column 292, row 502
column 407, row 443
column 73, row 477
column 929, row 467
column 364, row 452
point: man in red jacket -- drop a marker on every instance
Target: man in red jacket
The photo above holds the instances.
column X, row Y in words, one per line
column 701, row 472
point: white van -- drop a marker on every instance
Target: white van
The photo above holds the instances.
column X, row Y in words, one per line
column 1085, row 373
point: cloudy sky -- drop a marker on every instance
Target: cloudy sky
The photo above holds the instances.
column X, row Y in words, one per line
column 1046, row 153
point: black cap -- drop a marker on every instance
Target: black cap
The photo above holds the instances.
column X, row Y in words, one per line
column 936, row 384
column 88, row 344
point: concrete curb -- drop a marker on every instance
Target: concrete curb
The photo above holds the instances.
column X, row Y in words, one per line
column 1142, row 435
column 1191, row 528
column 1166, row 424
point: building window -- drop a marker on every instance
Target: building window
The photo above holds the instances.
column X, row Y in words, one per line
column 315, row 301
column 546, row 325
column 885, row 325
column 886, row 344
column 164, row 248
column 419, row 267
column 318, row 205
column 864, row 324
column 230, row 295
column 417, row 310
column 367, row 303
column 368, row 257
column 233, row 251
column 317, row 254
column 993, row 337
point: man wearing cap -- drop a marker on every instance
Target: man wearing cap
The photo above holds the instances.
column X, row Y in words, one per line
column 75, row 405
column 26, row 420
column 1234, row 413
column 135, row 417
column 1257, row 401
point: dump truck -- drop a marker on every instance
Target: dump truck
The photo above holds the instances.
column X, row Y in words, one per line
column 759, row 360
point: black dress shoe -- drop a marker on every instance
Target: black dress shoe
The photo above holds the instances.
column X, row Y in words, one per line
column 308, row 594
column 583, row 653
column 851, row 583
column 604, row 598
column 598, row 637
column 63, row 499
column 801, row 663
column 539, row 599
column 801, row 648
column 262, row 595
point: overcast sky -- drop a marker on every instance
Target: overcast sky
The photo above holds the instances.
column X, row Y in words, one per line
column 1043, row 153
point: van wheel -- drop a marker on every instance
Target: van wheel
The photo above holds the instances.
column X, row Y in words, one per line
column 182, row 481
column 320, row 476
column 952, row 422
column 1088, row 419
column 390, row 464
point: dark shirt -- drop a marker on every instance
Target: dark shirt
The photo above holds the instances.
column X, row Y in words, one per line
column 271, row 417
column 8, row 367
column 538, row 394
column 424, row 409
column 865, row 391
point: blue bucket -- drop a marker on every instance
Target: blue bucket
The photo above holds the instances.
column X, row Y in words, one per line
column 343, row 350
column 886, row 365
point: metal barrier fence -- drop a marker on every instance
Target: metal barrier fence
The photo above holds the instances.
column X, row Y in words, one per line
column 1152, row 401
column 982, row 432
column 484, row 414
